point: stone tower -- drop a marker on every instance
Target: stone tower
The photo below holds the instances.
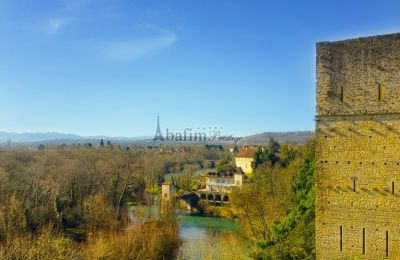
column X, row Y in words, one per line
column 358, row 148
column 167, row 190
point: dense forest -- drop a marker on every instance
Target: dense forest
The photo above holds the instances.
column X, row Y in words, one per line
column 71, row 202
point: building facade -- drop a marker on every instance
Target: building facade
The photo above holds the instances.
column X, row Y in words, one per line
column 358, row 148
column 223, row 182
column 244, row 158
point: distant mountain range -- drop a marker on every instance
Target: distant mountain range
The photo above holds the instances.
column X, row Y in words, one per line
column 56, row 137
column 297, row 137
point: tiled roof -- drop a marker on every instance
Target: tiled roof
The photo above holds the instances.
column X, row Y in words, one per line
column 247, row 152
column 224, row 174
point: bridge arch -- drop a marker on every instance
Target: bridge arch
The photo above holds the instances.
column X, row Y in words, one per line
column 210, row 197
column 190, row 199
column 203, row 196
column 217, row 197
column 225, row 198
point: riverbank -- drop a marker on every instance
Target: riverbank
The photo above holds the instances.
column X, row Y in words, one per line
column 203, row 235
column 210, row 237
column 220, row 211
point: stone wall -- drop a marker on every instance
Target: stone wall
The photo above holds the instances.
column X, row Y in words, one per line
column 244, row 163
column 358, row 67
column 358, row 149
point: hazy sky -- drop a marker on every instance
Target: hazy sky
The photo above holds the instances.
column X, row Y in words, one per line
column 95, row 67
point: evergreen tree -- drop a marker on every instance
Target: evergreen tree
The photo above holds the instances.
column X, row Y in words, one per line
column 273, row 146
column 258, row 158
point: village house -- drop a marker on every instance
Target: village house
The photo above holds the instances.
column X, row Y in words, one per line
column 224, row 181
column 244, row 158
column 220, row 184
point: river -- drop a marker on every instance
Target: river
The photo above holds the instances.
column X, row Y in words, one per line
column 198, row 227
column 207, row 237
column 192, row 226
column 201, row 235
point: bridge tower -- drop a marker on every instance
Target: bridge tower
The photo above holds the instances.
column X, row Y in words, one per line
column 167, row 191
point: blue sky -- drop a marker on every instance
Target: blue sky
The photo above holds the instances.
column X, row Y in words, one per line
column 95, row 67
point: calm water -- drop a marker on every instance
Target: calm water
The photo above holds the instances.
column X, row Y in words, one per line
column 201, row 240
column 197, row 227
column 195, row 230
column 192, row 226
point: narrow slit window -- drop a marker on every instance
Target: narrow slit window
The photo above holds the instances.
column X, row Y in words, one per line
column 341, row 238
column 381, row 92
column 363, row 241
column 341, row 94
column 387, row 243
column 354, row 183
column 392, row 187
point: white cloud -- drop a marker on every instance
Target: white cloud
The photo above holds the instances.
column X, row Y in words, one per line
column 136, row 48
column 55, row 24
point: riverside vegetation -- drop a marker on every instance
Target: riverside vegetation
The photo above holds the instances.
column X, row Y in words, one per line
column 276, row 209
column 71, row 203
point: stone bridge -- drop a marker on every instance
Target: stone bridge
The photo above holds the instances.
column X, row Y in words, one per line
column 192, row 198
column 214, row 197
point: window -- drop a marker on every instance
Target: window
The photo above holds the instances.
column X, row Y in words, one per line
column 341, row 238
column 341, row 94
column 387, row 243
column 381, row 92
column 363, row 241
column 392, row 187
column 354, row 183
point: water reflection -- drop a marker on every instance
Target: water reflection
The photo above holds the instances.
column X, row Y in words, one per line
column 195, row 227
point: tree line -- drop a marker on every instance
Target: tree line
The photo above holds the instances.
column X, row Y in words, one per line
column 68, row 195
